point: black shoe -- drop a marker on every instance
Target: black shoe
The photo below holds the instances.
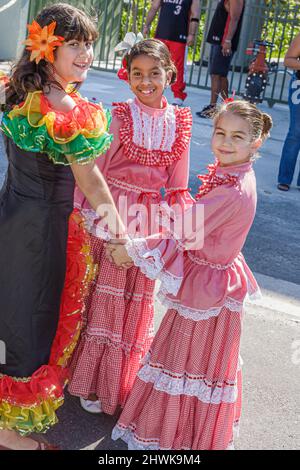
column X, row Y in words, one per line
column 207, row 112
column 283, row 187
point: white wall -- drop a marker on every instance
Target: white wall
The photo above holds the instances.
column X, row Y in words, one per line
column 13, row 21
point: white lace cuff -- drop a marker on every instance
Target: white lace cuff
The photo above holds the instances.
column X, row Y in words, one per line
column 151, row 264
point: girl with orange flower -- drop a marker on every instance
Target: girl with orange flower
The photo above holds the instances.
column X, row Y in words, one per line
column 52, row 139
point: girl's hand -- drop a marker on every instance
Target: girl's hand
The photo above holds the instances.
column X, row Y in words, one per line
column 117, row 253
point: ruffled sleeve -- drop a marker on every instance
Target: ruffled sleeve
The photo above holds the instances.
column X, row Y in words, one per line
column 80, row 134
column 163, row 257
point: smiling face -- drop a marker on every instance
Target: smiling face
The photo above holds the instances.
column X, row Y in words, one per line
column 232, row 142
column 148, row 79
column 72, row 61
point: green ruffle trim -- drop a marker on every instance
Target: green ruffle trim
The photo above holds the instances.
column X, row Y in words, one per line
column 36, row 139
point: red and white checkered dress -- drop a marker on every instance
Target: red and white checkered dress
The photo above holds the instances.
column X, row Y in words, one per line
column 188, row 392
column 150, row 151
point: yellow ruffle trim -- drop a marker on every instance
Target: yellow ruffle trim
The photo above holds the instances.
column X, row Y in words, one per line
column 39, row 418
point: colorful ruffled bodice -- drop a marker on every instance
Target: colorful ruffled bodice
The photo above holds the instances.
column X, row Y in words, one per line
column 80, row 134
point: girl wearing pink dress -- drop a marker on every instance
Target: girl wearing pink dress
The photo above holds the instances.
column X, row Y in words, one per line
column 150, row 151
column 187, row 394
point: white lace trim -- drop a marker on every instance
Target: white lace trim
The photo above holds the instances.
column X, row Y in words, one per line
column 152, row 267
column 240, row 363
column 153, row 132
column 127, row 295
column 196, row 314
column 128, row 436
column 188, row 384
column 203, row 262
column 230, row 446
column 254, row 295
column 95, row 336
column 91, row 223
column 235, row 435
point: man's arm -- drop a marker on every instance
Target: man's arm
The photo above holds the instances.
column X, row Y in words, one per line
column 156, row 4
column 193, row 26
column 293, row 53
column 235, row 11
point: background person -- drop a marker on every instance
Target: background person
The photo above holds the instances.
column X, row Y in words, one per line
column 291, row 145
column 177, row 28
column 223, row 35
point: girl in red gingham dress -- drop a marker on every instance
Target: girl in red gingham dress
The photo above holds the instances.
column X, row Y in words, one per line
column 187, row 394
column 150, row 151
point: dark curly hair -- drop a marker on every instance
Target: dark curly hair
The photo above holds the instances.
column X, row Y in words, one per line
column 71, row 23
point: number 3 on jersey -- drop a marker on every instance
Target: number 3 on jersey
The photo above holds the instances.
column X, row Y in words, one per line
column 177, row 10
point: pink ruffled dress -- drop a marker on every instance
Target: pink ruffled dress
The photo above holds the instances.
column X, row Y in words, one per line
column 187, row 394
column 150, row 151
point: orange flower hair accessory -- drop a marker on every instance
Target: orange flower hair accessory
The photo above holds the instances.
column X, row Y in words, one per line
column 42, row 42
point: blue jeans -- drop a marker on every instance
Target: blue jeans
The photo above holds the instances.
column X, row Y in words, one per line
column 291, row 146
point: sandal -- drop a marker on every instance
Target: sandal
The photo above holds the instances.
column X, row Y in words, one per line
column 283, row 187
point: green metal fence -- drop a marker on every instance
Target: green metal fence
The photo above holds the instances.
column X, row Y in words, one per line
column 272, row 20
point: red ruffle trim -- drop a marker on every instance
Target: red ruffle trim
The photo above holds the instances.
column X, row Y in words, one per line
column 154, row 157
column 48, row 381
column 211, row 180
column 84, row 115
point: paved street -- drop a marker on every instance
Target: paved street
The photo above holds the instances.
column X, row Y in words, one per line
column 271, row 337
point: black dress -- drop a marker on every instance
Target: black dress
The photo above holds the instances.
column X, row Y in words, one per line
column 35, row 205
column 44, row 255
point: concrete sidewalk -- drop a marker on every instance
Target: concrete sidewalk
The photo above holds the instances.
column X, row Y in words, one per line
column 271, row 338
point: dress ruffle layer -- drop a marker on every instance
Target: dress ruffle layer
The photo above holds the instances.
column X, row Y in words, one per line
column 80, row 134
column 28, row 404
column 188, row 393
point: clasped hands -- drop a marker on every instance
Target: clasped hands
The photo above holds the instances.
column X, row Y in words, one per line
column 116, row 253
